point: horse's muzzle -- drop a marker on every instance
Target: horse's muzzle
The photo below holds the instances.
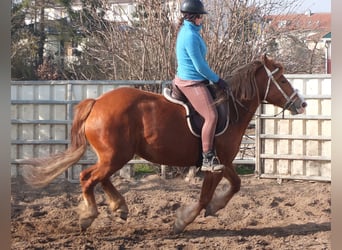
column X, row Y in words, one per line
column 298, row 106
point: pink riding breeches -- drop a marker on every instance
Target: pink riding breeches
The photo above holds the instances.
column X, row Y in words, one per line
column 200, row 98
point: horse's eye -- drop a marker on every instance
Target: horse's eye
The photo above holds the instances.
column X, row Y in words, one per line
column 283, row 81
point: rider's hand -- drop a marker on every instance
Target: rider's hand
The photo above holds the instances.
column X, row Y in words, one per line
column 222, row 84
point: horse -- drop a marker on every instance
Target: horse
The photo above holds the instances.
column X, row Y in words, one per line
column 126, row 121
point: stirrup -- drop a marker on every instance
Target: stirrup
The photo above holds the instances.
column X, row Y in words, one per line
column 211, row 163
column 213, row 168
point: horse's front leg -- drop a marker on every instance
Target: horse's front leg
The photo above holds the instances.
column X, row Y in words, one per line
column 221, row 198
column 187, row 214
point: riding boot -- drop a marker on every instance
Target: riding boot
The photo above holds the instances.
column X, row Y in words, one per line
column 211, row 162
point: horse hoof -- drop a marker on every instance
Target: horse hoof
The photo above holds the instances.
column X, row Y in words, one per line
column 123, row 215
column 85, row 223
column 178, row 227
column 209, row 212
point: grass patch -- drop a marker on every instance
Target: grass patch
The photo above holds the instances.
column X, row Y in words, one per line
column 144, row 169
column 245, row 169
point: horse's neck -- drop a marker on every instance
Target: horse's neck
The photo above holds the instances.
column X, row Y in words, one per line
column 244, row 113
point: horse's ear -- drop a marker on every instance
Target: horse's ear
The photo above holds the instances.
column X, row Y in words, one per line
column 265, row 58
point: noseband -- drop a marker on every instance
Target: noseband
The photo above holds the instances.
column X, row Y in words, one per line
column 289, row 99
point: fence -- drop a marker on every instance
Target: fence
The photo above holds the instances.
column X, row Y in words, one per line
column 297, row 147
column 41, row 113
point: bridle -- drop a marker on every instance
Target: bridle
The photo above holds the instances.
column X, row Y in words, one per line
column 290, row 100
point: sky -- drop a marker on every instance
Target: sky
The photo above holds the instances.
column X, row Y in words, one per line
column 316, row 6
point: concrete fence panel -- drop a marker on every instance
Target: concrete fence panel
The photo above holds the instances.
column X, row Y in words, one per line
column 293, row 147
column 297, row 147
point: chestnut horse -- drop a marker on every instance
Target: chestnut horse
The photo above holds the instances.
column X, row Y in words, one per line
column 126, row 121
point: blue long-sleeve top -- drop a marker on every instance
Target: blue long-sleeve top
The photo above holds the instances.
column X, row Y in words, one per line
column 191, row 53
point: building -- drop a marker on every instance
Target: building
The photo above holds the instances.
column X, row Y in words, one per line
column 311, row 29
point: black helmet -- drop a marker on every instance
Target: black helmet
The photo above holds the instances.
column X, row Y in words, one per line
column 193, row 7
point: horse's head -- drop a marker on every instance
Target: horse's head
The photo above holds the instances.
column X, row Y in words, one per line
column 278, row 90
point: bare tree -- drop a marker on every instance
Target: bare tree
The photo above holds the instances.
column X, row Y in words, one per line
column 29, row 36
column 143, row 46
column 236, row 31
column 296, row 45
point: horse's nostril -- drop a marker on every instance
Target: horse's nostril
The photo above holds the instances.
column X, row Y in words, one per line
column 304, row 105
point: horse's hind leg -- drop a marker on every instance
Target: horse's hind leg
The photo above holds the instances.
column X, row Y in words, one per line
column 221, row 199
column 116, row 200
column 99, row 172
column 88, row 212
column 187, row 214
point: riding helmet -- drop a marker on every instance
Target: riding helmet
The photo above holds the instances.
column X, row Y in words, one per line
column 193, row 7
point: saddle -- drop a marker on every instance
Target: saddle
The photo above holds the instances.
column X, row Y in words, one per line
column 194, row 120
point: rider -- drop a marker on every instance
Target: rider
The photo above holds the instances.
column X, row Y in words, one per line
column 194, row 73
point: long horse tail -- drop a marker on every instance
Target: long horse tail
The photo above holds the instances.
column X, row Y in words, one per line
column 38, row 172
